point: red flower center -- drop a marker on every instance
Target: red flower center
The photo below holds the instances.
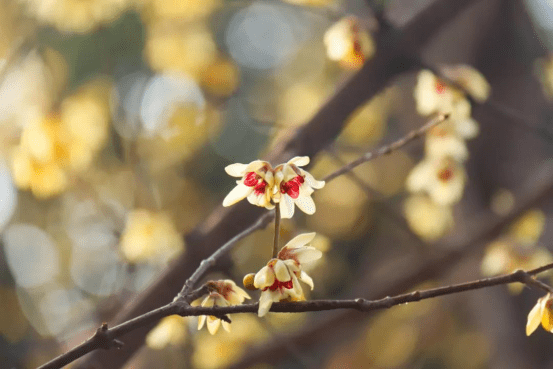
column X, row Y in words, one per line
column 251, row 179
column 278, row 285
column 260, row 188
column 292, row 187
column 440, row 87
column 445, row 174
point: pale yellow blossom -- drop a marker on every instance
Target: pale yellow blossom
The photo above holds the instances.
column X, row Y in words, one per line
column 442, row 179
column 149, row 235
column 171, row 330
column 426, row 218
column 348, row 43
column 222, row 293
column 541, row 313
column 287, row 185
column 279, row 279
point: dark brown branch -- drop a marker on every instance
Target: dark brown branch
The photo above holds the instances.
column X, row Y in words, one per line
column 388, row 148
column 106, row 338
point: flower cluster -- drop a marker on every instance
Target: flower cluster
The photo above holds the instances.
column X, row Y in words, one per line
column 349, row 44
column 279, row 279
column 222, row 293
column 440, row 177
column 286, row 185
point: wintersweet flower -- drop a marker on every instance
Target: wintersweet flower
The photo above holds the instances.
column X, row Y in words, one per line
column 348, row 43
column 222, row 293
column 279, row 279
column 541, row 313
column 287, row 184
column 443, row 179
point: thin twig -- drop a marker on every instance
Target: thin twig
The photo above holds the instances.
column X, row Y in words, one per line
column 277, row 230
column 206, row 264
column 388, row 148
column 106, row 338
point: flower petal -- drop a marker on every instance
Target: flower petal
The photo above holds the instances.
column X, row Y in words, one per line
column 265, row 302
column 213, row 324
column 201, row 321
column 306, row 279
column 308, row 254
column 264, row 278
column 534, row 317
column 306, row 204
column 286, row 207
column 238, row 193
column 236, row 170
column 226, row 326
column 311, row 181
column 301, row 240
column 299, row 161
column 281, row 271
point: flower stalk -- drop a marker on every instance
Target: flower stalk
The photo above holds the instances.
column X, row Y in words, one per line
column 277, row 231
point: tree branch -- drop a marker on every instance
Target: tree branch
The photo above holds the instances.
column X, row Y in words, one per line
column 106, row 338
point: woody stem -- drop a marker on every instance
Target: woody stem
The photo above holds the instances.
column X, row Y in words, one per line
column 277, row 230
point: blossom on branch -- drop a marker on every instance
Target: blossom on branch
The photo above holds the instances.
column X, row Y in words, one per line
column 286, row 185
column 541, row 313
column 348, row 43
column 222, row 293
column 279, row 279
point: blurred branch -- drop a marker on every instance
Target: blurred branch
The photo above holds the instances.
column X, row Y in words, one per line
column 397, row 49
column 107, row 338
column 388, row 148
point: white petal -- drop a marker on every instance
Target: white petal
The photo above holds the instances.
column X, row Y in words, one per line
column 451, row 146
column 213, row 324
column 534, row 318
column 281, row 271
column 226, row 326
column 286, row 207
column 208, row 301
column 201, row 321
column 467, row 128
column 306, row 204
column 299, row 161
column 264, row 278
column 419, row 177
column 306, row 279
column 265, row 302
column 238, row 193
column 311, row 181
column 256, row 165
column 236, row 170
column 296, row 292
column 308, row 254
column 301, row 240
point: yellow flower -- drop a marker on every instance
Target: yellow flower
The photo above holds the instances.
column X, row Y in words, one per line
column 76, row 15
column 279, row 279
column 149, row 235
column 170, row 330
column 433, row 95
column 443, row 179
column 264, row 186
column 223, row 293
column 470, row 79
column 541, row 313
column 426, row 218
column 347, row 43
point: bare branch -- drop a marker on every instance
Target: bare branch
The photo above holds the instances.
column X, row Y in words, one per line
column 106, row 338
column 388, row 148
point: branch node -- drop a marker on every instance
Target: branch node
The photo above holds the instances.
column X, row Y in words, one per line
column 416, row 296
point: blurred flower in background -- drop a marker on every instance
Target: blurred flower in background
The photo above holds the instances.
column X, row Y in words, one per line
column 348, row 43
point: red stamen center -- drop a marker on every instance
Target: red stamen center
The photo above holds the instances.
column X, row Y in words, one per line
column 292, row 187
column 251, row 179
column 260, row 188
column 280, row 285
column 440, row 87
